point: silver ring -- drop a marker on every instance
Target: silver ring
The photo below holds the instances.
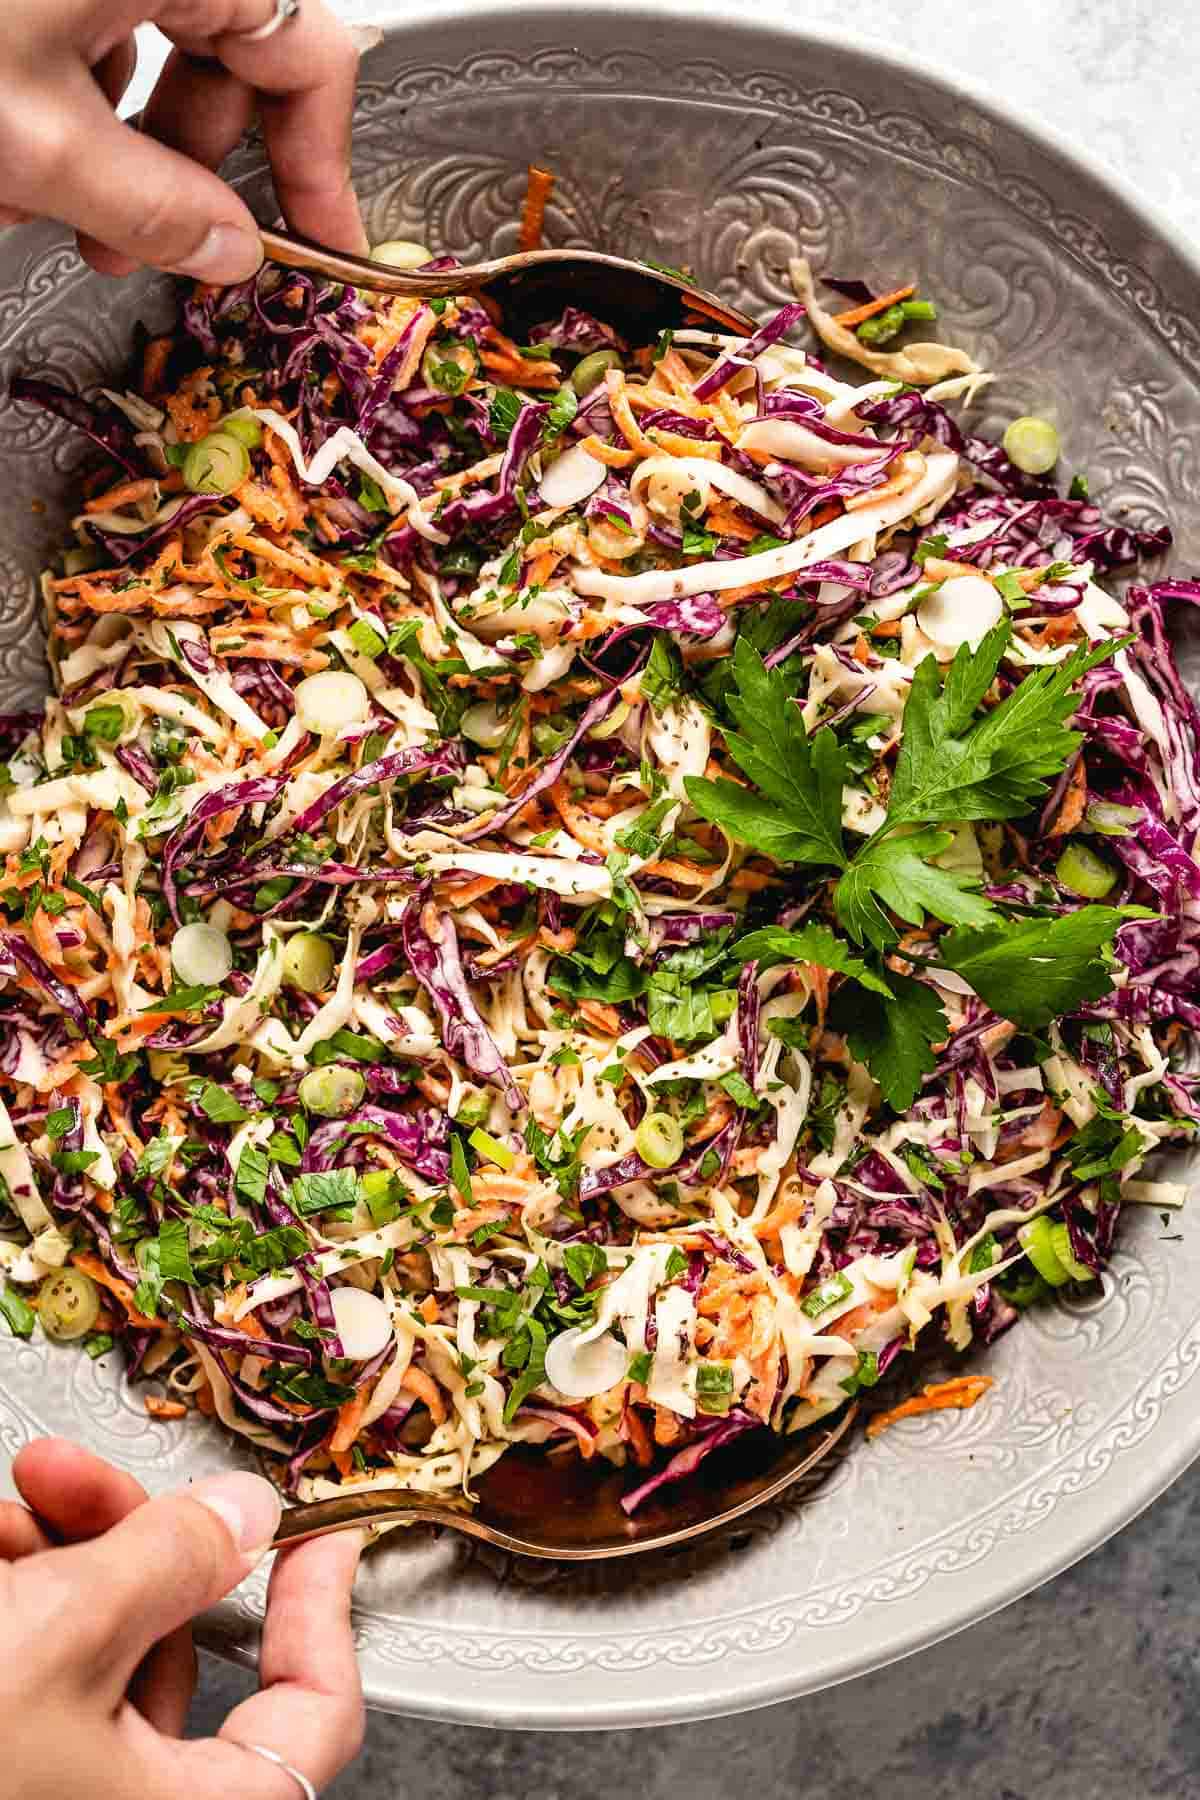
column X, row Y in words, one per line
column 272, row 1756
column 285, row 10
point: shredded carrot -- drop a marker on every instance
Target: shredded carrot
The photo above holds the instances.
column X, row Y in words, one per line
column 349, row 1422
column 126, row 493
column 726, row 521
column 538, row 189
column 622, row 412
column 785, row 1212
column 1073, row 804
column 675, row 444
column 605, row 1018
column 855, row 315
column 938, row 1396
column 87, row 1264
column 429, row 1310
column 676, row 868
column 164, row 1409
column 609, row 454
column 422, row 1384
column 154, row 364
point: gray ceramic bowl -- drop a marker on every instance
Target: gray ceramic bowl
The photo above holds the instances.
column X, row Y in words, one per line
column 696, row 140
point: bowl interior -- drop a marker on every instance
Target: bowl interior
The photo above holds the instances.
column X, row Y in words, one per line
column 727, row 157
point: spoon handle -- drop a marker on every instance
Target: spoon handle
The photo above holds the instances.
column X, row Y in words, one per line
column 346, row 1512
column 359, row 271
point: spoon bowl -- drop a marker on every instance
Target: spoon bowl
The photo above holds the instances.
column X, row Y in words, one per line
column 563, row 1509
column 533, row 285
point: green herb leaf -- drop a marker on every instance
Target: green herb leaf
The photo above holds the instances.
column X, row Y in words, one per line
column 504, row 412
column 184, row 999
column 460, row 1169
column 893, row 872
column 59, row 1122
column 220, row 1105
column 174, row 1256
column 892, row 1037
column 810, row 943
column 371, row 496
column 796, row 814
column 251, row 1177
column 310, row 1388
column 950, row 769
column 563, row 408
column 316, row 1192
column 583, row 1262
column 1033, row 970
column 156, row 1157
column 662, row 678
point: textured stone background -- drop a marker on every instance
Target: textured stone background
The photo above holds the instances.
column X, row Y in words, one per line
column 1087, row 1690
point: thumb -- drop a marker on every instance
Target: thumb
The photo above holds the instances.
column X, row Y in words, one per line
column 80, row 164
column 121, row 1593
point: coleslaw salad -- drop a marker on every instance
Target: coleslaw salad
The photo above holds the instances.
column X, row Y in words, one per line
column 577, row 893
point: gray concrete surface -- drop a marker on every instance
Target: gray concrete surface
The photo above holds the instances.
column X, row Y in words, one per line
column 1087, row 1690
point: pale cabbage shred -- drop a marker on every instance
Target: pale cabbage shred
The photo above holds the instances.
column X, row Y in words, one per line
column 563, row 1071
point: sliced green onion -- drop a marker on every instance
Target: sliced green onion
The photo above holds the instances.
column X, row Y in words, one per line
column 332, row 1092
column 659, row 1140
column 1085, row 873
column 838, row 1287
column 308, row 962
column 883, row 327
column 1022, row 1287
column 484, row 725
column 589, row 373
column 78, row 561
column 1060, row 1237
column 401, row 253
column 1037, row 1241
column 245, row 428
column 490, row 1147
column 918, row 309
column 1111, row 820
column 68, row 1305
column 201, row 955
column 1032, row 444
column 608, row 727
column 714, row 1388
column 380, row 1193
column 475, row 1108
column 16, row 1312
column 218, row 464
column 366, row 639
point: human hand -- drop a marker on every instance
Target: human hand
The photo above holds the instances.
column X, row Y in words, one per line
column 150, row 196
column 98, row 1669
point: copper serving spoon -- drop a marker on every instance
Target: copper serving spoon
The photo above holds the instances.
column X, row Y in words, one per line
column 534, row 285
column 566, row 1510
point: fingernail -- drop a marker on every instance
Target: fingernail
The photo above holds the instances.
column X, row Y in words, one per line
column 247, row 1505
column 227, row 254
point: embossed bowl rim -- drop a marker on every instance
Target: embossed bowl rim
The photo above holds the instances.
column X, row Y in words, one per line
column 705, row 1687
